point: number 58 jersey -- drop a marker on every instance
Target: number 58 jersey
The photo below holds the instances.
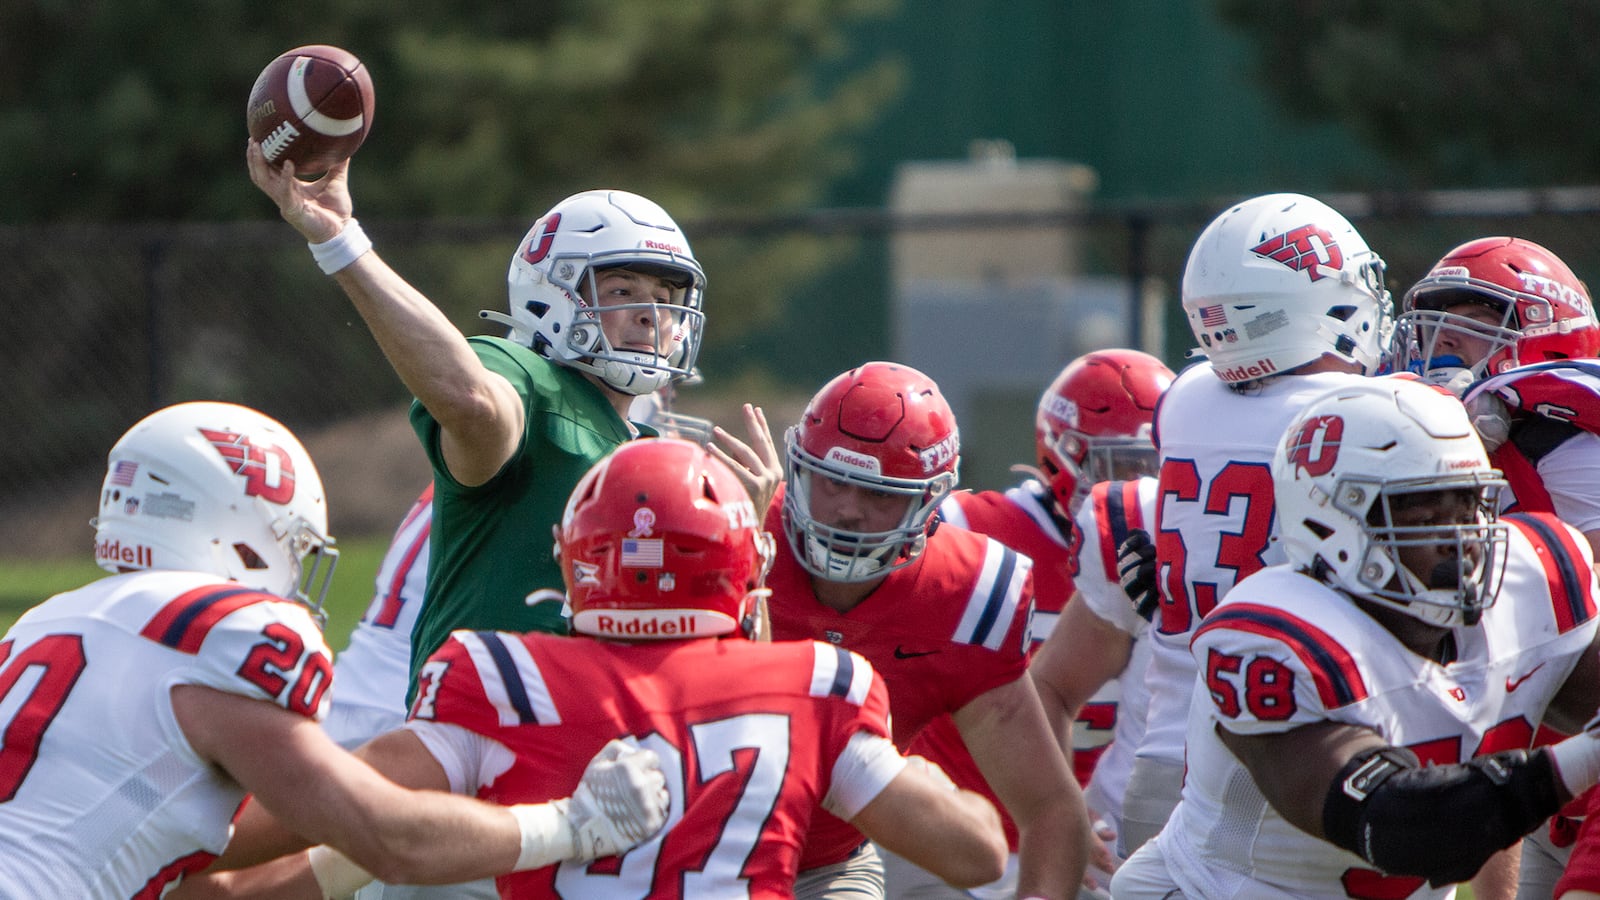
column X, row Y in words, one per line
column 1285, row 650
column 101, row 795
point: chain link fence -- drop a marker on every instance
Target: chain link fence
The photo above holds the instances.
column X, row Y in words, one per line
column 106, row 323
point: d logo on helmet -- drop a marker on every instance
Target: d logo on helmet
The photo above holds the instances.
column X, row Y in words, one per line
column 1315, row 447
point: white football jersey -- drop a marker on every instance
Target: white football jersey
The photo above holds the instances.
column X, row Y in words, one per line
column 1110, row 511
column 101, row 795
column 1284, row 650
column 1214, row 519
column 374, row 670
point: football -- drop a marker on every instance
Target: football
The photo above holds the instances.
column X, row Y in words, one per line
column 312, row 106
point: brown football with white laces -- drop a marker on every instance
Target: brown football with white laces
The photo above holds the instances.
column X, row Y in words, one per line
column 311, row 106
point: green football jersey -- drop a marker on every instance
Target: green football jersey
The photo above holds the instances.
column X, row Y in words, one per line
column 492, row 563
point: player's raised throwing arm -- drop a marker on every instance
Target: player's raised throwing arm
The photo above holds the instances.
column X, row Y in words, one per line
column 479, row 412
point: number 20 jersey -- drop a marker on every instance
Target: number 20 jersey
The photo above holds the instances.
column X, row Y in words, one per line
column 101, row 795
column 1284, row 650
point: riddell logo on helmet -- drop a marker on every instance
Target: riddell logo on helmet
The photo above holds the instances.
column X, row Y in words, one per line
column 852, row 460
column 662, row 245
column 135, row 555
column 644, row 627
column 1257, row 369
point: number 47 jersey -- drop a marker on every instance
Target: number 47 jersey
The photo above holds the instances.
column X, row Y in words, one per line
column 752, row 737
column 101, row 795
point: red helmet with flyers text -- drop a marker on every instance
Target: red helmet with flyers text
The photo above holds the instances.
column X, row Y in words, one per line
column 553, row 290
column 218, row 488
column 1093, row 422
column 1534, row 309
column 1280, row 280
column 659, row 540
column 882, row 428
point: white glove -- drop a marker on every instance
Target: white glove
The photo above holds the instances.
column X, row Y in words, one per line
column 622, row 801
column 1491, row 418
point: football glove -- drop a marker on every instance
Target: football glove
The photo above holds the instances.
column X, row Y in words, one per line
column 1136, row 568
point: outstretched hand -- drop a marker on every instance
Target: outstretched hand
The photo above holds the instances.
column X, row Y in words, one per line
column 317, row 209
column 756, row 463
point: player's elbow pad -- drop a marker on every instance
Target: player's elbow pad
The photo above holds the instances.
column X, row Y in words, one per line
column 1440, row 822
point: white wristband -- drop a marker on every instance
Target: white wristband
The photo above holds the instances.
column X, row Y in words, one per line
column 546, row 834
column 336, row 875
column 1577, row 762
column 342, row 249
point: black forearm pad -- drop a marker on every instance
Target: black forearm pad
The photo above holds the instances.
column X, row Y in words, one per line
column 1440, row 822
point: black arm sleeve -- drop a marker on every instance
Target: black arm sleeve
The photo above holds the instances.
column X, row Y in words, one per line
column 1440, row 822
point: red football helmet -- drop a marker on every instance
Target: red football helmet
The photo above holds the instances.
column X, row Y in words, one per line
column 660, row 541
column 1093, row 422
column 885, row 428
column 1543, row 308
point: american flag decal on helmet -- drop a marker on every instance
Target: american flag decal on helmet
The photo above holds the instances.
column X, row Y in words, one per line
column 122, row 473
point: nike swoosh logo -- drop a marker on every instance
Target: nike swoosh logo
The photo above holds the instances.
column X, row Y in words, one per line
column 1513, row 684
column 901, row 653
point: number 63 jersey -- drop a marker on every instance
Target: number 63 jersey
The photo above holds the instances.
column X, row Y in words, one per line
column 1284, row 650
column 101, row 795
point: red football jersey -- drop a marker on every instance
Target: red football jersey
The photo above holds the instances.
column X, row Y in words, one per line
column 1022, row 521
column 941, row 631
column 747, row 734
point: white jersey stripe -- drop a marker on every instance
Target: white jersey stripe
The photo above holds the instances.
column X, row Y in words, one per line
column 838, row 672
column 951, row 513
column 995, row 597
column 860, row 679
column 511, row 679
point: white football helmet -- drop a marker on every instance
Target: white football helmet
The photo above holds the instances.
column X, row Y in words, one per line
column 218, row 488
column 1279, row 280
column 1358, row 454
column 555, row 267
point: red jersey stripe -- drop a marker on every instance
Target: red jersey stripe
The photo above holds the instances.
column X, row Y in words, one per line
column 184, row 623
column 1570, row 579
column 1338, row 679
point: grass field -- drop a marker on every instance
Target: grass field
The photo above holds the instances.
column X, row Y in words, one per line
column 26, row 582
